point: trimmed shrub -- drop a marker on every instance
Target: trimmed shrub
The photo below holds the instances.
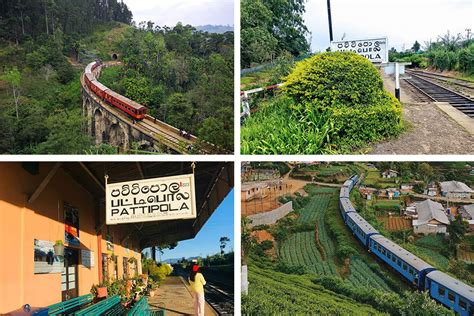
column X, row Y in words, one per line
column 334, row 79
column 333, row 103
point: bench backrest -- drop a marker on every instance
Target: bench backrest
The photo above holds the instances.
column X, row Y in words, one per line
column 63, row 307
column 143, row 309
column 139, row 307
column 100, row 307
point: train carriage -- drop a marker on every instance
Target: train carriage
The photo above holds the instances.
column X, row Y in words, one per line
column 407, row 264
column 450, row 292
column 345, row 206
column 89, row 68
column 99, row 89
column 360, row 227
column 134, row 109
column 344, row 193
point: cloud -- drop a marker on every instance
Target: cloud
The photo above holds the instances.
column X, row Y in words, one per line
column 216, row 12
column 402, row 21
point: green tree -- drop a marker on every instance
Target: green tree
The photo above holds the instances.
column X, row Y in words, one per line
column 180, row 111
column 425, row 171
column 223, row 243
column 420, row 303
column 13, row 77
column 416, row 47
column 456, row 230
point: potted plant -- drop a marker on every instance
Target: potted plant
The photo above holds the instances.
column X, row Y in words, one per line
column 59, row 248
column 100, row 290
column 152, row 286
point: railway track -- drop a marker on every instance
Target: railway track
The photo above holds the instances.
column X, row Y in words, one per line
column 438, row 93
column 450, row 80
column 164, row 133
column 220, row 300
column 219, row 295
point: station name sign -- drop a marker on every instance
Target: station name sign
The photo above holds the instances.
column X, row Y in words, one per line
column 375, row 50
column 151, row 200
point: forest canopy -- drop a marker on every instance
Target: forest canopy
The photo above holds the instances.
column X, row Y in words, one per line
column 23, row 19
column 184, row 76
column 271, row 28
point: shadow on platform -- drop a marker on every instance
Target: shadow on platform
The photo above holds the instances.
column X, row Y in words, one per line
column 174, row 296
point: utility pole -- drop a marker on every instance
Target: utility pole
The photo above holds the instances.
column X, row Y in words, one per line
column 330, row 21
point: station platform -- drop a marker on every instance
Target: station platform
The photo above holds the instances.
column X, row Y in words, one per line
column 174, row 296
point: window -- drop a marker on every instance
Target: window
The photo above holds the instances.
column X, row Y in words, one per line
column 451, row 296
column 383, row 251
column 105, row 267
column 462, row 304
column 125, row 268
column 441, row 291
column 405, row 266
column 389, row 255
column 394, row 258
column 71, row 224
column 399, row 263
column 411, row 271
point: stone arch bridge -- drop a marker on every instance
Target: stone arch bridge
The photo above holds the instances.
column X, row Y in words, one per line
column 108, row 124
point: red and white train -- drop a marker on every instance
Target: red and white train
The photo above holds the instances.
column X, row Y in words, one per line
column 134, row 109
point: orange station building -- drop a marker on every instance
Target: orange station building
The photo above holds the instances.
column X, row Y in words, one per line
column 41, row 203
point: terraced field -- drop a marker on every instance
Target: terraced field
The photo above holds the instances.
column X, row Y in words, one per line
column 395, row 223
column 362, row 275
column 295, row 295
column 301, row 249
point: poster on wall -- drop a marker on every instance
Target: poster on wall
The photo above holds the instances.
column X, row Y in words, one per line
column 155, row 199
column 45, row 259
column 87, row 258
column 71, row 225
column 375, row 50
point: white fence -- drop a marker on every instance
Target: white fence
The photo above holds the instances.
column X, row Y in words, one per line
column 271, row 217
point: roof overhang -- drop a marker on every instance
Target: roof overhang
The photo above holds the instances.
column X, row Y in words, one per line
column 213, row 181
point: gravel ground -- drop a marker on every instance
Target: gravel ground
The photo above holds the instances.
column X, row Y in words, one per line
column 429, row 130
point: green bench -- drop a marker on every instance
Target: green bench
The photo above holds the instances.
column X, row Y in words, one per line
column 109, row 306
column 69, row 306
column 142, row 308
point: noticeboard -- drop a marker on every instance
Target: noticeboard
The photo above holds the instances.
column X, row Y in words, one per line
column 87, row 258
column 375, row 50
column 155, row 199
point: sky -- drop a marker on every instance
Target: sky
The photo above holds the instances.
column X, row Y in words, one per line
column 206, row 242
column 402, row 21
column 194, row 12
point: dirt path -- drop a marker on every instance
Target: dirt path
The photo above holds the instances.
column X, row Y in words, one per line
column 429, row 130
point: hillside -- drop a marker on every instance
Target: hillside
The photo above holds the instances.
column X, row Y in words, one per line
column 273, row 292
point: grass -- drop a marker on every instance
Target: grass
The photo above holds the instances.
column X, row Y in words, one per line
column 372, row 178
column 273, row 130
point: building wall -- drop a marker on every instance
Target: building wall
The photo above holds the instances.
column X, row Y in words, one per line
column 429, row 229
column 271, row 217
column 21, row 223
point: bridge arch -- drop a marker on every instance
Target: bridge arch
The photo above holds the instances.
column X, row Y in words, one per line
column 98, row 126
column 118, row 136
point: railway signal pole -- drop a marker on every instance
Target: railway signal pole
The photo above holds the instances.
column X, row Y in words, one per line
column 330, row 21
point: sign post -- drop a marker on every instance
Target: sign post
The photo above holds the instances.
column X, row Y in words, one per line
column 375, row 50
column 147, row 200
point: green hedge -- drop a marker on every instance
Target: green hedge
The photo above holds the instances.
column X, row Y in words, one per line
column 334, row 79
column 332, row 103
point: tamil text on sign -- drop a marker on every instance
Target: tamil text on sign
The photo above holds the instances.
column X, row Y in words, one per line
column 374, row 50
column 151, row 200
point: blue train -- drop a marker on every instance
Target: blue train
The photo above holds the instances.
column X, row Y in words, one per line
column 443, row 288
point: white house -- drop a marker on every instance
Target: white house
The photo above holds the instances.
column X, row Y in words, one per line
column 389, row 173
column 431, row 218
column 455, row 189
column 467, row 213
column 250, row 191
